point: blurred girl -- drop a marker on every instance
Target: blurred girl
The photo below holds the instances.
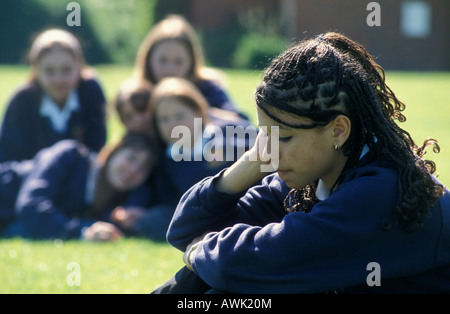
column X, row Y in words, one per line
column 132, row 104
column 62, row 100
column 172, row 48
column 176, row 102
column 360, row 192
column 66, row 189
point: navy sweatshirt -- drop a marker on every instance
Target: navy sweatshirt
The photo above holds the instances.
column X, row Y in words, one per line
column 254, row 246
column 47, row 193
column 171, row 179
column 24, row 131
column 217, row 97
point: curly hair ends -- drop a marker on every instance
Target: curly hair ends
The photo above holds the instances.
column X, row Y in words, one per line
column 333, row 73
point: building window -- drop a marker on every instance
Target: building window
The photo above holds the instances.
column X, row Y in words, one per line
column 415, row 19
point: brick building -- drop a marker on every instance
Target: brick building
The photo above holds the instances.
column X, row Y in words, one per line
column 411, row 34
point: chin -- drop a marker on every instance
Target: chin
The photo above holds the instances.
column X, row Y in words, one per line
column 121, row 187
column 295, row 185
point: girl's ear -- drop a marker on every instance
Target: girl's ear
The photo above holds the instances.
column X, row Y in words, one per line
column 341, row 130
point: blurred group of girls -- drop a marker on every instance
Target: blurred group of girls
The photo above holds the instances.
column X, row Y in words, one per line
column 62, row 179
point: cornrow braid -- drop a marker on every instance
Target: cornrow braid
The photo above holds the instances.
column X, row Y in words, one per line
column 331, row 74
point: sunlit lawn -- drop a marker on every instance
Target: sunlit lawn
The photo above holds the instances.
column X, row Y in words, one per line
column 138, row 266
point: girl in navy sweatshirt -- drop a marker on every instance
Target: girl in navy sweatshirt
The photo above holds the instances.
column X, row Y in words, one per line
column 352, row 206
column 172, row 49
column 67, row 190
column 62, row 100
column 195, row 144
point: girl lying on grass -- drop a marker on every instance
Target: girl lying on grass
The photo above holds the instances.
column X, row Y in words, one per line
column 66, row 191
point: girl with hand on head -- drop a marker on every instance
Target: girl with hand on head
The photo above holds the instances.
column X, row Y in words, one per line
column 172, row 49
column 66, row 190
column 351, row 188
column 62, row 100
column 177, row 103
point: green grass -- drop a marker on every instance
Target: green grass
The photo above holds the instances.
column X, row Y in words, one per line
column 127, row 266
column 138, row 266
column 427, row 99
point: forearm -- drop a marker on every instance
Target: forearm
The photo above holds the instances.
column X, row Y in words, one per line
column 240, row 176
column 201, row 209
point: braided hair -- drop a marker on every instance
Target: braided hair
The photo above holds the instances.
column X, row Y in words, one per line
column 330, row 75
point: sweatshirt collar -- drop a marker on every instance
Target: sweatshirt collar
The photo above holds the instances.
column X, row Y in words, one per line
column 323, row 191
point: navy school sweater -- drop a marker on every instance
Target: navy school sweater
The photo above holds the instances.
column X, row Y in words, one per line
column 24, row 131
column 254, row 246
column 171, row 179
column 217, row 97
column 47, row 193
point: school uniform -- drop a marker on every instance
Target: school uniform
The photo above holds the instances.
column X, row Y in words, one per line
column 256, row 247
column 48, row 193
column 32, row 121
column 173, row 177
column 49, row 196
column 217, row 97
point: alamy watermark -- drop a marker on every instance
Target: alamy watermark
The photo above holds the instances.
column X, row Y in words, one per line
column 217, row 146
column 74, row 17
column 374, row 277
column 374, row 17
column 74, row 276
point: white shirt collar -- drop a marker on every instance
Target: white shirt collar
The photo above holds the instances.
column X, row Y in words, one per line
column 322, row 191
column 59, row 117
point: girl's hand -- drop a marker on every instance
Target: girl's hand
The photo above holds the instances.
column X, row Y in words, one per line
column 102, row 232
column 254, row 164
column 191, row 250
column 126, row 218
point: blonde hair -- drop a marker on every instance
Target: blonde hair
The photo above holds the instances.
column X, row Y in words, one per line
column 182, row 89
column 175, row 27
column 57, row 39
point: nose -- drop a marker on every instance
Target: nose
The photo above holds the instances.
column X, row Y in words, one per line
column 134, row 169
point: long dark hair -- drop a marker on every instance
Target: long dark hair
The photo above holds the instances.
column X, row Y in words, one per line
column 330, row 75
column 106, row 195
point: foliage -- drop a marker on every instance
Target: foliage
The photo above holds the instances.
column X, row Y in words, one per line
column 110, row 31
column 261, row 40
column 119, row 26
column 255, row 51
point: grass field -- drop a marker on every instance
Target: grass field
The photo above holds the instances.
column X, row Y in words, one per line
column 138, row 266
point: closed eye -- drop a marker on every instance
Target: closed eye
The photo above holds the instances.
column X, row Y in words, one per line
column 285, row 138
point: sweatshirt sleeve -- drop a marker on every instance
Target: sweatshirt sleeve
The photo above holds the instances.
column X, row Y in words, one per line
column 217, row 97
column 16, row 127
column 327, row 249
column 35, row 202
column 93, row 100
column 203, row 209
